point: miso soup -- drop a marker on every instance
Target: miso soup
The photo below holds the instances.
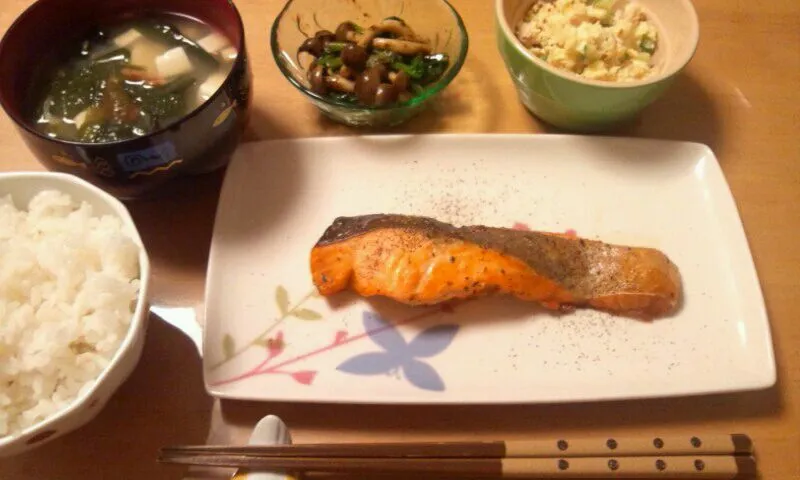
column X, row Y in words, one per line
column 133, row 78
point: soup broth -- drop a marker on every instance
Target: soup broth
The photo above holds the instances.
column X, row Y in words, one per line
column 133, row 78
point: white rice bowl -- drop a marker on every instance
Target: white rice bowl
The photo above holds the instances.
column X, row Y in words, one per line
column 69, row 282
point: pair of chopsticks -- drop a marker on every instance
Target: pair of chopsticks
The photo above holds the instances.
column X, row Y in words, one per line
column 701, row 456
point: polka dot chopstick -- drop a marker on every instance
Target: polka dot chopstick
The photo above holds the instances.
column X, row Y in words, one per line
column 700, row 456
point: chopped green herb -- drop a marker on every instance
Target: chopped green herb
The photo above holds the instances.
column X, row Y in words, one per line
column 334, row 47
column 647, row 45
column 424, row 68
column 415, row 69
column 330, row 61
column 386, row 57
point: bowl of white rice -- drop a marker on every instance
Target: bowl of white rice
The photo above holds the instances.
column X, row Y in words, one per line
column 591, row 65
column 74, row 279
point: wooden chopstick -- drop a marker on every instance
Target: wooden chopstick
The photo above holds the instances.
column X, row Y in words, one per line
column 686, row 466
column 714, row 444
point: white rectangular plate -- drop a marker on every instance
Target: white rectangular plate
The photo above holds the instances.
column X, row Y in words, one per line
column 268, row 337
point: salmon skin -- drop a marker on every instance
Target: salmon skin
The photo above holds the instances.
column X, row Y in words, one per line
column 422, row 261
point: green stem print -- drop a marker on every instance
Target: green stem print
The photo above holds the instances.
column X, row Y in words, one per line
column 298, row 310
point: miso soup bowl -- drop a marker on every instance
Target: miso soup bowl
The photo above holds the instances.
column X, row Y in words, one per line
column 200, row 142
column 571, row 102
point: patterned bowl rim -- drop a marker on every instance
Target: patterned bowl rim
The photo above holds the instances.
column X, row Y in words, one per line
column 138, row 318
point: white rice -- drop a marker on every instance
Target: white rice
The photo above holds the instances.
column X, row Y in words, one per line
column 68, row 286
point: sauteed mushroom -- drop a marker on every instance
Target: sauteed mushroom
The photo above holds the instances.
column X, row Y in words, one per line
column 344, row 30
column 386, row 94
column 377, row 66
column 367, row 84
column 400, row 79
column 317, row 80
column 354, row 56
column 403, row 47
column 338, row 82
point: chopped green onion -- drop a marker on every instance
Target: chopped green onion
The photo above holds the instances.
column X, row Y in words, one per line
column 647, row 45
column 334, row 47
column 330, row 61
column 415, row 69
column 386, row 57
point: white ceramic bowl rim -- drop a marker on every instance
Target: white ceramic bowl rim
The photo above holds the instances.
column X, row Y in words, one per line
column 683, row 61
column 138, row 318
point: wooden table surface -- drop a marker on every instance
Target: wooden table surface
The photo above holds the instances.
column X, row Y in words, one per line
column 739, row 95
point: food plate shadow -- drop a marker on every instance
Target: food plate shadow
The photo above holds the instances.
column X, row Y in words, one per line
column 168, row 380
column 261, row 126
column 270, row 188
column 348, row 422
column 686, row 112
column 177, row 230
column 492, row 309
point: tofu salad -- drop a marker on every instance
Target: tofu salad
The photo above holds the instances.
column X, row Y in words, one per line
column 596, row 39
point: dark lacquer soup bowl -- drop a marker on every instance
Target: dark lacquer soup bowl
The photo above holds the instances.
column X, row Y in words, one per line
column 200, row 141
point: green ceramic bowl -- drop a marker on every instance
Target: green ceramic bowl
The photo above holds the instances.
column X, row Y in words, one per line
column 436, row 20
column 571, row 102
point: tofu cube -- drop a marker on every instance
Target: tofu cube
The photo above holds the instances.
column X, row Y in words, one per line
column 229, row 54
column 80, row 119
column 127, row 38
column 210, row 86
column 213, row 43
column 173, row 62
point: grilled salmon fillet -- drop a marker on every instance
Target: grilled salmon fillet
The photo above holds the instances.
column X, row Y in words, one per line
column 421, row 261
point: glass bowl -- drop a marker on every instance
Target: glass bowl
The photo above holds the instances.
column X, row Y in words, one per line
column 435, row 20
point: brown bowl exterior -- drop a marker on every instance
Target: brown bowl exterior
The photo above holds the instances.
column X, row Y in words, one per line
column 201, row 142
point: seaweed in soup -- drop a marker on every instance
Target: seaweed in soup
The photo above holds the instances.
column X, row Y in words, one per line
column 132, row 79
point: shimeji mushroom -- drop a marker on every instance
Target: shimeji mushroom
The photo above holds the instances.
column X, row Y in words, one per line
column 388, row 25
column 322, row 82
column 400, row 79
column 316, row 77
column 346, row 31
column 398, row 27
column 367, row 83
column 402, row 47
column 338, row 82
column 355, row 56
column 371, row 64
column 346, row 72
column 316, row 45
